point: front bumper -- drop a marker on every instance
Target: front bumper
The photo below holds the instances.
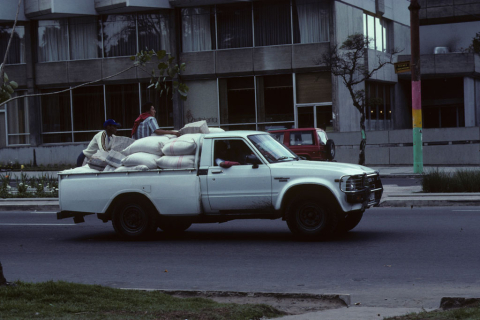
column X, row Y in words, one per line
column 369, row 191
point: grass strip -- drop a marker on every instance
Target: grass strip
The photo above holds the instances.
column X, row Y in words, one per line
column 465, row 313
column 459, row 181
column 64, row 300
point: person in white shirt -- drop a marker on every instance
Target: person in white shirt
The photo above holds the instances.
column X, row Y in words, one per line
column 101, row 141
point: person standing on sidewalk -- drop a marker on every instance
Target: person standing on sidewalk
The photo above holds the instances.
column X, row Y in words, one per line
column 146, row 124
column 101, row 141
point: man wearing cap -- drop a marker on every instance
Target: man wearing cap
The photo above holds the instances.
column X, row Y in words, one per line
column 101, row 141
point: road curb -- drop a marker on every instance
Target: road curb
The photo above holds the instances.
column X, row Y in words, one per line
column 428, row 203
column 343, row 298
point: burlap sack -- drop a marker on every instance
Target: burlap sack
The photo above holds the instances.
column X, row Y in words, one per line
column 176, row 162
column 141, row 158
column 152, row 144
column 184, row 145
column 114, row 158
column 195, row 127
column 120, row 143
column 98, row 160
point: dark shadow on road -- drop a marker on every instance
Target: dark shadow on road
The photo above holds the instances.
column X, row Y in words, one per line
column 238, row 236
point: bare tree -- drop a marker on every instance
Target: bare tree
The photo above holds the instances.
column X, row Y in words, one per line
column 7, row 87
column 349, row 62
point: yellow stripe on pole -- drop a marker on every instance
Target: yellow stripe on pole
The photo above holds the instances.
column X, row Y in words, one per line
column 417, row 118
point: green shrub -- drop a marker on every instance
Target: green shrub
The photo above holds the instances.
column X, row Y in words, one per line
column 459, row 181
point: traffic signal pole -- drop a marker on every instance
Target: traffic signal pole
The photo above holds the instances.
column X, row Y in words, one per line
column 416, row 87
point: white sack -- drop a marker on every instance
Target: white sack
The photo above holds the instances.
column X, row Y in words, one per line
column 176, row 162
column 152, row 144
column 109, row 168
column 98, row 160
column 184, row 145
column 120, row 143
column 215, row 130
column 84, row 169
column 135, row 168
column 114, row 158
column 141, row 158
column 195, row 127
column 169, row 136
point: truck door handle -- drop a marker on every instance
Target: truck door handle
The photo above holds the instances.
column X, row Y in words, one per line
column 217, row 171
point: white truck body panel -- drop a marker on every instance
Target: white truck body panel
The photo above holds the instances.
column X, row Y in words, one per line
column 207, row 188
column 172, row 192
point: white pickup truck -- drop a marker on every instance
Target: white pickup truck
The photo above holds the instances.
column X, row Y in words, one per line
column 317, row 199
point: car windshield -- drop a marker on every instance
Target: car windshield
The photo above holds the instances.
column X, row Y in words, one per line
column 322, row 137
column 271, row 149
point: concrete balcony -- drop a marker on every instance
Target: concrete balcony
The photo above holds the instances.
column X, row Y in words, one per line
column 54, row 9
column 448, row 64
column 121, row 6
column 9, row 11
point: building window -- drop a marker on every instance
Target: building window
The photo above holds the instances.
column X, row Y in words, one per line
column 119, row 35
column 272, row 23
column 378, row 100
column 52, row 40
column 275, row 98
column 234, row 23
column 56, row 116
column 198, row 29
column 83, row 37
column 17, row 121
column 88, row 111
column 16, row 52
column 443, row 103
column 311, row 21
column 153, row 31
column 237, row 100
column 378, row 31
column 123, row 105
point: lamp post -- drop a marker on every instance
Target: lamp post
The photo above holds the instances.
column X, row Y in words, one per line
column 416, row 87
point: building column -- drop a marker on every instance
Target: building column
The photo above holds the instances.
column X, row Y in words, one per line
column 34, row 108
column 469, row 101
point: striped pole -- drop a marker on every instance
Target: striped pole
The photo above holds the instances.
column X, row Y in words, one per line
column 416, row 87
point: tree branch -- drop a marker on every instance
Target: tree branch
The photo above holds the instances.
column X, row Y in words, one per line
column 2, row 67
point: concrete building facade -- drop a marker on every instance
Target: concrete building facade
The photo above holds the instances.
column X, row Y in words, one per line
column 249, row 65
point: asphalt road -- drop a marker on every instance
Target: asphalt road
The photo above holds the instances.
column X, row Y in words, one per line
column 396, row 257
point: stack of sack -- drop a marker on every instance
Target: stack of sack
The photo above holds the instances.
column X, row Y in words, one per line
column 156, row 151
column 179, row 153
column 143, row 153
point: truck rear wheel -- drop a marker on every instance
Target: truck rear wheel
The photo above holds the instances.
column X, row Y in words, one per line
column 310, row 217
column 133, row 219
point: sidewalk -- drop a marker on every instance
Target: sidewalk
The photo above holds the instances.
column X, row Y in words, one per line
column 393, row 195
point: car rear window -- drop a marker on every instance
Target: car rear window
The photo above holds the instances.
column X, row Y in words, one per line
column 301, row 138
column 278, row 136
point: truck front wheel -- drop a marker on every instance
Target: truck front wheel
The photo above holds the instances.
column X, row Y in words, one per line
column 310, row 217
column 134, row 219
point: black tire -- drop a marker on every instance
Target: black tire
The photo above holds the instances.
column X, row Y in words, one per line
column 330, row 149
column 311, row 218
column 172, row 225
column 134, row 219
column 351, row 220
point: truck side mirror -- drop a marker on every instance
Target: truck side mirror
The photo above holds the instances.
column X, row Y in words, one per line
column 251, row 158
column 255, row 166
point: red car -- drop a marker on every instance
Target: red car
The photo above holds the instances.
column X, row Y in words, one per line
column 309, row 143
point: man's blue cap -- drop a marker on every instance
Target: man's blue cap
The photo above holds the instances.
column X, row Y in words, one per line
column 110, row 122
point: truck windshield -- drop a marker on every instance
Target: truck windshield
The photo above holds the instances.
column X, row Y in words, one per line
column 271, row 149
